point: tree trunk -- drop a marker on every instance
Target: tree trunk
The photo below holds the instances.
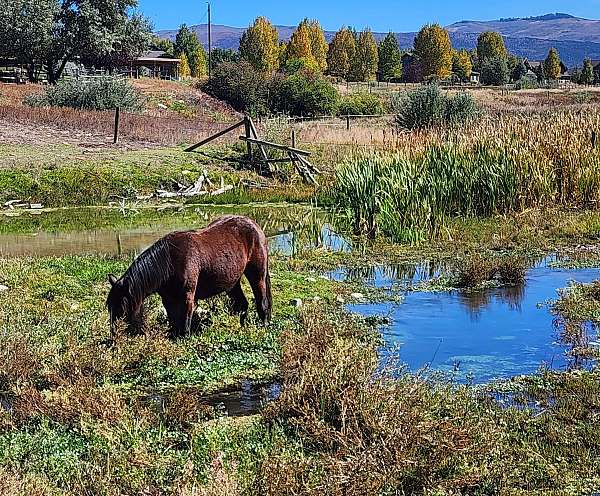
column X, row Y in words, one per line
column 54, row 75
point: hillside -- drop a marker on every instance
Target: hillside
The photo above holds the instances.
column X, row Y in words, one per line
column 574, row 38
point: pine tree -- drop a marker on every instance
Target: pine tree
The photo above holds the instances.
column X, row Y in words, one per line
column 184, row 66
column 552, row 65
column 434, row 50
column 260, row 46
column 186, row 42
column 490, row 45
column 587, row 74
column 461, row 64
column 390, row 58
column 342, row 50
column 366, row 58
column 318, row 45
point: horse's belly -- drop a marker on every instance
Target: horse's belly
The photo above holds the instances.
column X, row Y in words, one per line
column 213, row 283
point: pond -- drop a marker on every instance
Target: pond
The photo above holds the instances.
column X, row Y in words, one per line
column 476, row 336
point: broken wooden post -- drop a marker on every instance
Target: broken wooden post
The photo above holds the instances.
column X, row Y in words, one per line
column 247, row 129
column 215, row 136
column 116, row 133
column 293, row 138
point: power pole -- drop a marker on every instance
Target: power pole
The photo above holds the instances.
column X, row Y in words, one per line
column 209, row 43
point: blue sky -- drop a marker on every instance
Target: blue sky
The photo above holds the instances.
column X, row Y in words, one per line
column 380, row 15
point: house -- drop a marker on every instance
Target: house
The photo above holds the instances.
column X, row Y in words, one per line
column 475, row 77
column 537, row 66
column 156, row 64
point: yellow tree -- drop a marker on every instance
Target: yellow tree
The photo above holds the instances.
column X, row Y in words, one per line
column 318, row 44
column 552, row 65
column 260, row 46
column 184, row 66
column 490, row 45
column 366, row 58
column 341, row 53
column 299, row 46
column 461, row 64
column 198, row 62
column 434, row 50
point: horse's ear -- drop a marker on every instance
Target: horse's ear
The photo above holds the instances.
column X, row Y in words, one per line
column 112, row 279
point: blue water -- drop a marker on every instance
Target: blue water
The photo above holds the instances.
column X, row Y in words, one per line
column 481, row 336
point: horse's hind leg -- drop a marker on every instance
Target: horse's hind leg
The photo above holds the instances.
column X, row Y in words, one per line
column 239, row 303
column 260, row 282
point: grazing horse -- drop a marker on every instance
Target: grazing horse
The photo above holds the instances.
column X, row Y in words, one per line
column 184, row 267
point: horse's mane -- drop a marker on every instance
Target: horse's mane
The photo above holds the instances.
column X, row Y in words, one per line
column 149, row 270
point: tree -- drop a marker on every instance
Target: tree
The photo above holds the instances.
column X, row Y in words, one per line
column 53, row 32
column 184, row 66
column 494, row 71
column 390, row 58
column 434, row 50
column 198, row 62
column 552, row 68
column 519, row 70
column 318, row 45
column 221, row 55
column 341, row 53
column 587, row 74
column 187, row 42
column 299, row 46
column 162, row 44
column 490, row 45
column 461, row 64
column 366, row 58
column 260, row 46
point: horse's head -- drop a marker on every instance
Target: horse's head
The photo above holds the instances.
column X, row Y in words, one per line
column 121, row 303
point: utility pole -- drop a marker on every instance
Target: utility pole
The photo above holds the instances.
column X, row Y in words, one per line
column 209, row 43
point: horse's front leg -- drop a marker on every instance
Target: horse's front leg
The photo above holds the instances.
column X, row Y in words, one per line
column 180, row 311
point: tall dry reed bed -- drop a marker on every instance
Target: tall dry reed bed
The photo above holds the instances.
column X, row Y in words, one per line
column 501, row 164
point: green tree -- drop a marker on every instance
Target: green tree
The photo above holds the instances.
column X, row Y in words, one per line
column 390, row 58
column 494, row 71
column 552, row 65
column 187, row 42
column 366, row 58
column 221, row 55
column 318, row 45
column 519, row 70
column 184, row 66
column 260, row 46
column 490, row 45
column 461, row 64
column 53, row 32
column 162, row 44
column 342, row 50
column 587, row 74
column 434, row 50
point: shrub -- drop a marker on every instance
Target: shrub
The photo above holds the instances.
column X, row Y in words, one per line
column 304, row 93
column 240, row 85
column 428, row 107
column 361, row 104
column 494, row 71
column 104, row 93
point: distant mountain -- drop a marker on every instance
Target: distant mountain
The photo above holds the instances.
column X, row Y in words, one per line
column 531, row 37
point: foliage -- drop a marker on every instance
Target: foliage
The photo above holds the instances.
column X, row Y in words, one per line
column 259, row 46
column 104, row 93
column 187, row 42
column 490, row 45
column 461, row 64
column 292, row 66
column 220, row 55
column 304, row 94
column 163, row 44
column 366, row 58
column 318, row 45
column 390, row 59
column 519, row 70
column 360, row 104
column 494, row 71
column 299, row 46
column 587, row 74
column 340, row 56
column 240, row 85
column 184, row 66
column 552, row 66
column 428, row 107
column 50, row 33
column 434, row 50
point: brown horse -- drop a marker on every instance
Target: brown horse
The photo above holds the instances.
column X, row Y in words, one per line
column 184, row 267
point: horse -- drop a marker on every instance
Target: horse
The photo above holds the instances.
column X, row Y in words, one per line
column 187, row 266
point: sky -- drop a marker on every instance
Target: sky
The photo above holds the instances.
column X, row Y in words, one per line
column 380, row 15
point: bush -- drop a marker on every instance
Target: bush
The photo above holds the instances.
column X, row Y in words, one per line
column 428, row 107
column 104, row 93
column 240, row 85
column 361, row 104
column 495, row 72
column 304, row 94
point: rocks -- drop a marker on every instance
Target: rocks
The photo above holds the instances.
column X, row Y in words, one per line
column 3, row 288
column 358, row 296
column 311, row 279
column 340, row 299
column 296, row 302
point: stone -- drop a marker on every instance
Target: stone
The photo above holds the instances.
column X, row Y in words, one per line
column 339, row 299
column 296, row 302
column 358, row 296
column 311, row 279
column 3, row 288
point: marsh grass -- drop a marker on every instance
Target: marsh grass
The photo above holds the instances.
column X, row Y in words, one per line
column 477, row 271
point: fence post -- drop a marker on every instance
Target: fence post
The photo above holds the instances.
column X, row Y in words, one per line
column 247, row 131
column 116, row 134
column 347, row 123
column 293, row 138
